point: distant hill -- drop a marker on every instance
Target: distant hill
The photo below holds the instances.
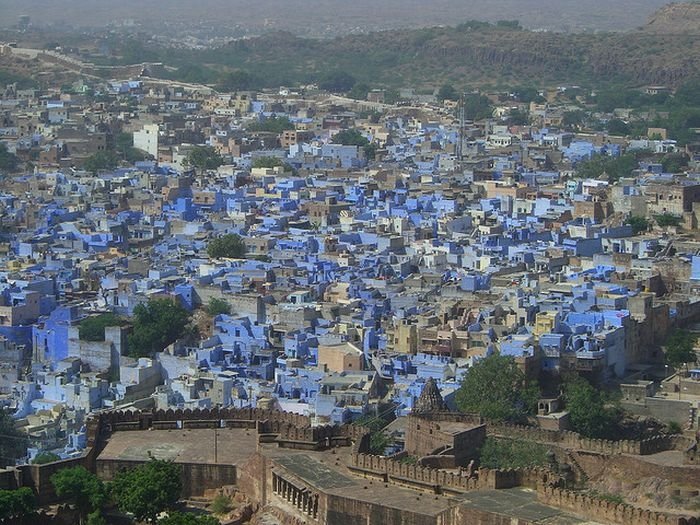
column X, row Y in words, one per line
column 676, row 18
column 336, row 16
column 464, row 55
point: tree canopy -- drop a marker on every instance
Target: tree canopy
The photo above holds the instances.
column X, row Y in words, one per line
column 218, row 306
column 667, row 219
column 93, row 328
column 8, row 161
column 17, row 503
column 447, row 92
column 269, row 162
column 80, row 486
column 147, row 490
column 45, row 457
column 680, row 348
column 102, row 160
column 639, row 224
column 353, row 137
column 507, row 453
column 204, row 158
column 229, row 245
column 273, row 124
column 613, row 167
column 588, row 410
column 157, row 324
column 124, row 147
column 241, row 81
column 497, row 389
column 13, row 445
column 337, row 82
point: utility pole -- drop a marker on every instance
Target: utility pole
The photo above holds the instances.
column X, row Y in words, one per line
column 460, row 134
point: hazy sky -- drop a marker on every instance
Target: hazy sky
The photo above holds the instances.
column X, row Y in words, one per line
column 288, row 14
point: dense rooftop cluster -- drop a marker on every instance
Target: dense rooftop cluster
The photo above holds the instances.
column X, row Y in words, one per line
column 372, row 257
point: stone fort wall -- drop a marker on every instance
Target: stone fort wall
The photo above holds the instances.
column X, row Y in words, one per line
column 568, row 439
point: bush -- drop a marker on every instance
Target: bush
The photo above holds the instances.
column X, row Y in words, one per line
column 497, row 389
column 218, row 306
column 45, row 457
column 221, row 504
column 229, row 245
column 93, row 328
column 157, row 324
column 639, row 224
column 674, row 427
column 16, row 503
column 667, row 219
column 149, row 489
column 507, row 453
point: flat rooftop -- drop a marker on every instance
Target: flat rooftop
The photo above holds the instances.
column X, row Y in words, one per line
column 228, row 446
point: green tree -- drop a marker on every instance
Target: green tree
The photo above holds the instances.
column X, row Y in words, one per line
column 229, row 245
column 350, row 137
column 447, row 92
column 221, row 504
column 204, row 158
column 668, row 219
column 19, row 503
column 639, row 224
column 157, row 324
column 613, row 167
column 272, row 124
column 589, row 412
column 218, row 306
column 179, row 518
column 100, row 161
column 45, row 457
column 13, row 444
column 518, row 118
column 8, row 161
column 573, row 119
column 527, row 94
column 241, row 81
column 93, row 328
column 124, row 147
column 674, row 162
column 359, row 91
column 337, row 82
column 680, row 348
column 270, row 162
column 477, row 107
column 378, row 440
column 81, row 487
column 688, row 93
column 497, row 389
column 353, row 137
column 147, row 490
column 617, row 126
column 507, row 453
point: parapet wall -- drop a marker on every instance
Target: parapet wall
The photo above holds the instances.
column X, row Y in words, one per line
column 606, row 511
column 441, row 481
column 568, row 439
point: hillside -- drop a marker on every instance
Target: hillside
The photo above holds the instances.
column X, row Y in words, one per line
column 470, row 56
column 676, row 18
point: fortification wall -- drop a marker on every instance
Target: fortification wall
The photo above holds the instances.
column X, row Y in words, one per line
column 605, row 511
column 441, row 481
column 196, row 477
column 565, row 439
